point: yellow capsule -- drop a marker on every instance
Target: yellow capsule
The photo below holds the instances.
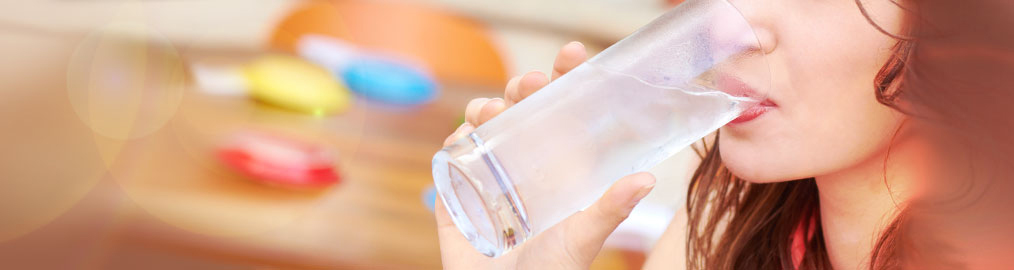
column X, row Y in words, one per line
column 295, row 84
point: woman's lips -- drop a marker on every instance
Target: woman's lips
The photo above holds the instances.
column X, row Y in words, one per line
column 754, row 112
column 735, row 87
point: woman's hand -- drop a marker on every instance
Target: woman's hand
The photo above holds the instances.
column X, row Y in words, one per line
column 574, row 242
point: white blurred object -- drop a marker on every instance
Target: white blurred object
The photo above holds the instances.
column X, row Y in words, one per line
column 673, row 179
column 327, row 51
column 642, row 228
column 219, row 80
column 652, row 216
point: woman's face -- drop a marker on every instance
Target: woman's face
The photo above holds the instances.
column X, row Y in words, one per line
column 824, row 118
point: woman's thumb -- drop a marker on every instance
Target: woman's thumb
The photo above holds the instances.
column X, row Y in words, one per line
column 586, row 231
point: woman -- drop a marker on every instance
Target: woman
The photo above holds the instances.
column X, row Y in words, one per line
column 886, row 145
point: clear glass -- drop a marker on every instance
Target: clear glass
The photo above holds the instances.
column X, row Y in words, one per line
column 671, row 83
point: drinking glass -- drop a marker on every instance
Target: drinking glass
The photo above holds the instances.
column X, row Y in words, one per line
column 674, row 81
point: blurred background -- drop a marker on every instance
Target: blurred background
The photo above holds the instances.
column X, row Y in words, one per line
column 292, row 134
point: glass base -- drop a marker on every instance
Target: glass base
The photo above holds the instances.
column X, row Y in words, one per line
column 480, row 197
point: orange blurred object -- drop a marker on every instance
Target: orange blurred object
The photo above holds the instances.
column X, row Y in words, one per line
column 454, row 48
column 673, row 3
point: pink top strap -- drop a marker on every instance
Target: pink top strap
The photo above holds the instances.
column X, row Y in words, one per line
column 798, row 244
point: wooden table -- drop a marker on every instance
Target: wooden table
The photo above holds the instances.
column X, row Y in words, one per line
column 163, row 199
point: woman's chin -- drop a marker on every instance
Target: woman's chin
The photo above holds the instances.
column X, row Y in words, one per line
column 750, row 167
column 749, row 175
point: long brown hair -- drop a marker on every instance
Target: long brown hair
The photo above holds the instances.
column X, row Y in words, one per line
column 764, row 217
column 953, row 69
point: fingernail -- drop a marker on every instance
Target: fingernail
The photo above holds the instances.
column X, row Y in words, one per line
column 534, row 77
column 466, row 129
column 496, row 101
column 514, row 80
column 643, row 192
column 473, row 108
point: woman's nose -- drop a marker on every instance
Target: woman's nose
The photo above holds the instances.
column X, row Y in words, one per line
column 758, row 15
column 765, row 36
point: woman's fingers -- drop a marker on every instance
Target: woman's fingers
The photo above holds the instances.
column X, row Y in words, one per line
column 585, row 232
column 510, row 94
column 477, row 111
column 570, row 56
column 459, row 133
column 472, row 110
column 492, row 108
column 530, row 83
column 480, row 110
column 524, row 86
